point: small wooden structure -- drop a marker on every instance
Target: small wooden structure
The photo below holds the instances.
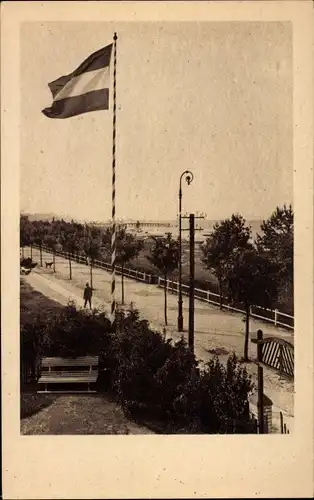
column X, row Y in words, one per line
column 64, row 372
column 278, row 354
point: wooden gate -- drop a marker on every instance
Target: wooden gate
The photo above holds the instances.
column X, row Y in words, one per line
column 278, row 354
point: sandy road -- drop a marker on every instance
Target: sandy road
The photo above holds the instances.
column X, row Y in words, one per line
column 215, row 331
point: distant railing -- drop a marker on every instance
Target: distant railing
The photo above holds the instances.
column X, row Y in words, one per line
column 275, row 316
column 129, row 273
column 272, row 316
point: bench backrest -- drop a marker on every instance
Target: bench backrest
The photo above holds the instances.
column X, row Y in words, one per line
column 84, row 361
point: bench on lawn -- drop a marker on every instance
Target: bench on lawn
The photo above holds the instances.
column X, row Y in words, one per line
column 68, row 371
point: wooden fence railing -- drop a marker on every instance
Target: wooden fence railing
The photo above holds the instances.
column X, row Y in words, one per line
column 276, row 317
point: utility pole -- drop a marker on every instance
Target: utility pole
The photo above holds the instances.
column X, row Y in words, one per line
column 192, row 230
column 260, row 382
column 192, row 275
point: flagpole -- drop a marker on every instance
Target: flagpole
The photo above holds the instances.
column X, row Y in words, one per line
column 113, row 215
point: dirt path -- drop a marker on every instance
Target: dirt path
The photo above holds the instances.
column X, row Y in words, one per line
column 215, row 330
column 80, row 414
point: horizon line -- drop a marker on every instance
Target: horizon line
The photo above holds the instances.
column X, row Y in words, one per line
column 125, row 220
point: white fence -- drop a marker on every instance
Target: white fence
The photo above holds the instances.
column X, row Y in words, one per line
column 129, row 273
column 275, row 316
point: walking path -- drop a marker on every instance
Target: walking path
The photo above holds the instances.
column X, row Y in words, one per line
column 216, row 332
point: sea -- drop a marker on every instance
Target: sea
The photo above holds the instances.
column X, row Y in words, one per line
column 203, row 228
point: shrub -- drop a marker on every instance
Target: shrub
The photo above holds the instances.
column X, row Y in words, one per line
column 76, row 333
column 69, row 333
column 163, row 379
column 224, row 396
column 138, row 353
column 148, row 373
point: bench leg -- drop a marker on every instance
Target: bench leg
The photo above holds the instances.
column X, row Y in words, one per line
column 46, row 387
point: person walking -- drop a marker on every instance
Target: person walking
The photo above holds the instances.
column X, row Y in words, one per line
column 88, row 293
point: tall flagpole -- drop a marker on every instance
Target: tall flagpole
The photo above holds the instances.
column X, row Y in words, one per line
column 113, row 215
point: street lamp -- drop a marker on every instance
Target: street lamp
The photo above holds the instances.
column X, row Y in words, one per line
column 188, row 178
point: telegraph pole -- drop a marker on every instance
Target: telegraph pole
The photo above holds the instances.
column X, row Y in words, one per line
column 260, row 382
column 192, row 275
column 192, row 230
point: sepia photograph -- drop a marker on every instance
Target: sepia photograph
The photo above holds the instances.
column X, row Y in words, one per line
column 156, row 255
column 157, row 249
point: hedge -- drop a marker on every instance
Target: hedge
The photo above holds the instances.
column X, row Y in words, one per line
column 149, row 376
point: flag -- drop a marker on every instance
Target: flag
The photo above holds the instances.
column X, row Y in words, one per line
column 85, row 89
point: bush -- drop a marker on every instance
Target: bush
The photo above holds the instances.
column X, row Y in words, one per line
column 148, row 375
column 69, row 333
column 75, row 333
column 138, row 353
column 163, row 380
column 224, row 392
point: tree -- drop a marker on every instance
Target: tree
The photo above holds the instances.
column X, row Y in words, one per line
column 165, row 257
column 251, row 279
column 50, row 240
column 127, row 247
column 227, row 236
column 92, row 245
column 25, row 232
column 40, row 229
column 276, row 241
column 70, row 244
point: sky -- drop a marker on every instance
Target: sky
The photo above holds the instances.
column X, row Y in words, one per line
column 213, row 97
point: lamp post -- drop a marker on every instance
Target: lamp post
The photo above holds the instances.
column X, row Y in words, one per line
column 188, row 176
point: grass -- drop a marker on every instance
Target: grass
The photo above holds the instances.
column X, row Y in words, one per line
column 77, row 414
column 34, row 304
column 203, row 277
column 32, row 403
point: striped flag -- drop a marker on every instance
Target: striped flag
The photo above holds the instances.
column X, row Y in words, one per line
column 85, row 89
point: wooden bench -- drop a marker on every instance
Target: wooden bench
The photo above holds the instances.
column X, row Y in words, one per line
column 55, row 371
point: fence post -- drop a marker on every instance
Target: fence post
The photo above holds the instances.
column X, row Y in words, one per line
column 260, row 382
column 280, row 360
column 281, row 423
column 41, row 255
column 276, row 317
